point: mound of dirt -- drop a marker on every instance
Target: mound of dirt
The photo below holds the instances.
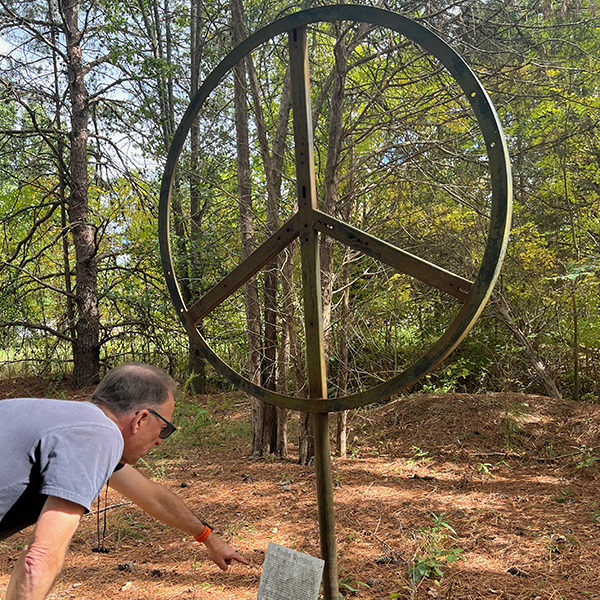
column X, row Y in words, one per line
column 465, row 424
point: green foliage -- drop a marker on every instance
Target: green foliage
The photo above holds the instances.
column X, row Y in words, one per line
column 588, row 461
column 433, row 551
column 484, row 468
column 451, row 377
column 352, row 586
column 419, row 456
column 157, row 471
column 411, row 169
column 198, row 426
column 511, row 430
column 563, row 496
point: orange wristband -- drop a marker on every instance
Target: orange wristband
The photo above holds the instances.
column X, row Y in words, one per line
column 207, row 531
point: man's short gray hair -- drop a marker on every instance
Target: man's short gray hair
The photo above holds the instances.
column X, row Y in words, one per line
column 134, row 386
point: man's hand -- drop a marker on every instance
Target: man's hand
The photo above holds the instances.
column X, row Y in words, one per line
column 43, row 556
column 221, row 553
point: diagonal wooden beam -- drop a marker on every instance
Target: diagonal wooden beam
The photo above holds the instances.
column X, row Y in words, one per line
column 403, row 261
column 284, row 236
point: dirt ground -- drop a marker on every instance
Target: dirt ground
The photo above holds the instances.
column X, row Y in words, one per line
column 503, row 485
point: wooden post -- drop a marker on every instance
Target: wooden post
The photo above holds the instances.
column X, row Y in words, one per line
column 313, row 314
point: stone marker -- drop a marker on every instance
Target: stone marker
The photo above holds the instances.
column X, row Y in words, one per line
column 289, row 575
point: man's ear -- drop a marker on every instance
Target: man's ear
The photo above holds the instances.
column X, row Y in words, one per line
column 138, row 420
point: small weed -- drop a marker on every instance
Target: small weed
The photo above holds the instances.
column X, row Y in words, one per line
column 353, row 452
column 484, row 468
column 563, row 496
column 225, row 403
column 193, row 418
column 156, row 472
column 549, row 449
column 552, row 545
column 131, row 529
column 590, row 397
column 271, row 457
column 432, row 551
column 428, row 567
column 11, row 546
column 510, row 428
column 587, row 462
column 347, row 583
column 460, row 439
column 239, row 528
column 381, row 451
column 418, row 456
column 510, row 431
column 187, row 386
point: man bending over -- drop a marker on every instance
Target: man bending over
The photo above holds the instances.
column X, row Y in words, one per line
column 57, row 455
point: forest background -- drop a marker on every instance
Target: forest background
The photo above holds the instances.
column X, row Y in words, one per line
column 91, row 94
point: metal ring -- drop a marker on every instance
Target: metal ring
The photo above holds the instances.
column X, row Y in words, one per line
column 500, row 216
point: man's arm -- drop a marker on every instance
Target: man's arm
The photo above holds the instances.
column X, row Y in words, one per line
column 42, row 558
column 167, row 507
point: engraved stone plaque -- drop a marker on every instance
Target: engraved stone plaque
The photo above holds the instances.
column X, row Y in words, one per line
column 289, row 575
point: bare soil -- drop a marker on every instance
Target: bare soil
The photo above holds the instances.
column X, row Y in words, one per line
column 511, row 481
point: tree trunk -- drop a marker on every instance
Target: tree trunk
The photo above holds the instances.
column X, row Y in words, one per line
column 306, row 439
column 306, row 445
column 331, row 183
column 196, row 362
column 274, row 176
column 573, row 284
column 270, row 344
column 251, row 298
column 342, row 417
column 575, row 342
column 61, row 169
column 274, row 436
column 288, row 351
column 86, row 354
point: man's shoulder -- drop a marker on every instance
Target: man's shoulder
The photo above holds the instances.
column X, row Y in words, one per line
column 48, row 414
column 51, row 404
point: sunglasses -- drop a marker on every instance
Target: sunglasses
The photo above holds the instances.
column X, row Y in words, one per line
column 168, row 428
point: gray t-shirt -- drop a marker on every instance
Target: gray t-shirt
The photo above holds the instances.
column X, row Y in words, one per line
column 52, row 448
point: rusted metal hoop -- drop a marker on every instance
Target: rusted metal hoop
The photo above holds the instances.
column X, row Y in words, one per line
column 500, row 216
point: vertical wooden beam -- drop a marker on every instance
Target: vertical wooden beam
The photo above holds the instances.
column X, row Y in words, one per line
column 313, row 311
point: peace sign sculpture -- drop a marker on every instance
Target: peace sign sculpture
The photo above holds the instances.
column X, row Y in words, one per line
column 308, row 222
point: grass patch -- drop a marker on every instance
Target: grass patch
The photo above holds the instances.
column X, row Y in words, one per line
column 218, row 423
